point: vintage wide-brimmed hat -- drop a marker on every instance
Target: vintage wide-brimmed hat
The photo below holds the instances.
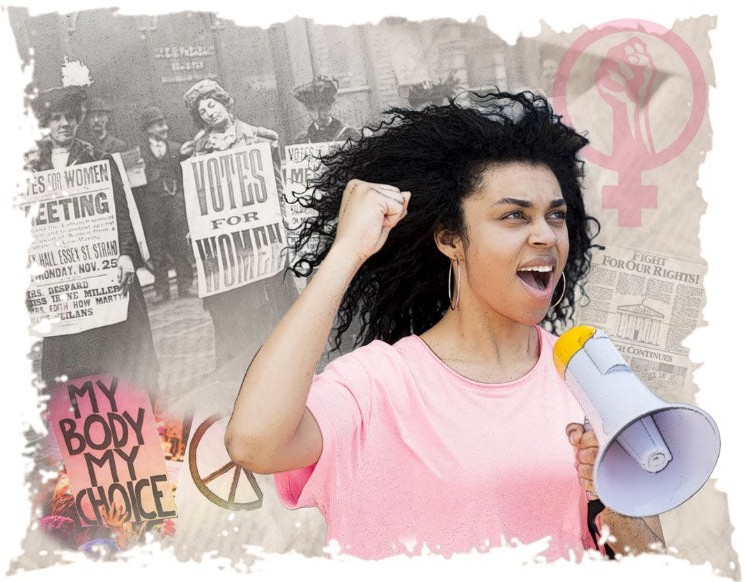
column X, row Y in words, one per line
column 432, row 92
column 150, row 115
column 320, row 91
column 68, row 99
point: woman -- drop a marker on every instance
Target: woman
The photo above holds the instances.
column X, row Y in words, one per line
column 211, row 107
column 242, row 317
column 459, row 231
column 126, row 347
column 318, row 96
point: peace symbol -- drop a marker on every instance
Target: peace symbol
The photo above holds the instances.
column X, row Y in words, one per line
column 206, row 434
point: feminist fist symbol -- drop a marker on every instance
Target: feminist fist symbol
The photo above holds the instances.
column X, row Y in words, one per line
column 206, row 434
column 624, row 80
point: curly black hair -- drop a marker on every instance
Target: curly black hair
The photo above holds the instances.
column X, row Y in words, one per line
column 439, row 154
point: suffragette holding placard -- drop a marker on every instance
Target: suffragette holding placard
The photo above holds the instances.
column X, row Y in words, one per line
column 233, row 183
column 83, row 235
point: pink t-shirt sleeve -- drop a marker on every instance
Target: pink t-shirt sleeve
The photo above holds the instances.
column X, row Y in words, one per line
column 339, row 400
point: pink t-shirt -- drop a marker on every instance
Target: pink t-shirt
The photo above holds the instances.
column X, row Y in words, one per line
column 415, row 453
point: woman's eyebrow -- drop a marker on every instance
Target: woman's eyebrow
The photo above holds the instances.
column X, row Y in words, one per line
column 555, row 203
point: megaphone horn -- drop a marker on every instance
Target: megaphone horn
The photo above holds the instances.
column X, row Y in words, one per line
column 653, row 455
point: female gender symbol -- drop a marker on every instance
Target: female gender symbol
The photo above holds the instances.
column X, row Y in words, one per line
column 625, row 80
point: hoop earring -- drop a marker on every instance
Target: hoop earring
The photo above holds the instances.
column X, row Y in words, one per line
column 563, row 276
column 454, row 305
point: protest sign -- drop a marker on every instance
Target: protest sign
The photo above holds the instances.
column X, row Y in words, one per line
column 301, row 165
column 73, row 257
column 134, row 167
column 235, row 218
column 106, row 431
column 134, row 217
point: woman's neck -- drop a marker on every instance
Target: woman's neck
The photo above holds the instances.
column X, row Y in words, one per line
column 57, row 148
column 223, row 127
column 484, row 347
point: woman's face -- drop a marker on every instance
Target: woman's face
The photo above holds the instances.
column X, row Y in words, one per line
column 212, row 112
column 517, row 242
column 320, row 114
column 62, row 127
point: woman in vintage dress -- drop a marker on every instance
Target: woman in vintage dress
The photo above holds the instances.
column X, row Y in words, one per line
column 125, row 348
column 244, row 316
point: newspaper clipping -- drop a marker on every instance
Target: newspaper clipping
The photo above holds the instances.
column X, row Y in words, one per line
column 648, row 303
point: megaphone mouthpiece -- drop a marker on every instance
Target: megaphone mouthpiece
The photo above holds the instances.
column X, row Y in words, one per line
column 642, row 441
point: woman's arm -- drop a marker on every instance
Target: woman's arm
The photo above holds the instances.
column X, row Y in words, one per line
column 632, row 535
column 266, row 133
column 188, row 148
column 270, row 429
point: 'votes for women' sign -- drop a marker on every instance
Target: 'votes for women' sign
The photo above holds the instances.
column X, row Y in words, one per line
column 302, row 165
column 73, row 257
column 235, row 218
column 111, row 449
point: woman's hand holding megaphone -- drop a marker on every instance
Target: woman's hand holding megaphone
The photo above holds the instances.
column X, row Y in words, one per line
column 630, row 535
column 586, row 449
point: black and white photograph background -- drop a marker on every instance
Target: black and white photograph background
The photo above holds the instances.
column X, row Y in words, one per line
column 303, row 76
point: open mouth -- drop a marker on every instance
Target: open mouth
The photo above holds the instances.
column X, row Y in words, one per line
column 536, row 277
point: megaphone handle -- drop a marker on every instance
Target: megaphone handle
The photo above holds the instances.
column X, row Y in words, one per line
column 590, row 496
column 595, row 507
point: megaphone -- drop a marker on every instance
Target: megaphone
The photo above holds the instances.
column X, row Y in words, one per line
column 653, row 455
